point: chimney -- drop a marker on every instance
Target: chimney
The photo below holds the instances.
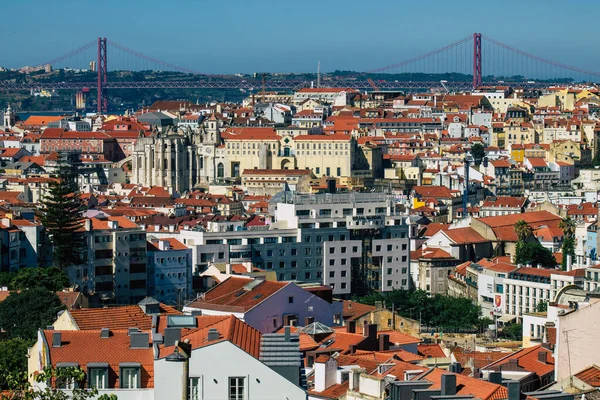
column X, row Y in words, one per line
column 365, row 331
column 171, row 336
column 514, row 390
column 213, row 334
column 228, row 269
column 372, row 334
column 384, row 342
column 542, row 357
column 351, row 327
column 104, row 333
column 354, row 378
column 88, row 224
column 139, row 340
column 163, row 245
column 325, row 373
column 495, row 377
column 448, row 385
column 56, row 339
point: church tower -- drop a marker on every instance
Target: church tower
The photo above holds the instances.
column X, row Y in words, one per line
column 9, row 118
column 211, row 133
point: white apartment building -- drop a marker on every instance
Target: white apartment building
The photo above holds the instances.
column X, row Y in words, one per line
column 326, row 239
column 527, row 287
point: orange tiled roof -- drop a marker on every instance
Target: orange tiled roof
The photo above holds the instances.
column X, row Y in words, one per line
column 353, row 310
column 528, row 360
column 590, row 375
column 231, row 294
column 431, row 350
column 399, row 338
column 465, row 235
column 468, row 386
column 85, row 347
column 116, row 317
column 230, row 328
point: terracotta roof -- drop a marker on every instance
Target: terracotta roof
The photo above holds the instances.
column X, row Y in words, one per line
column 41, row 120
column 332, row 392
column 434, row 228
column 434, row 191
column 464, row 236
column 528, row 360
column 431, row 350
column 237, row 294
column 504, row 201
column 353, row 310
column 398, row 338
column 123, row 223
column 431, row 253
column 85, row 347
column 537, row 162
column 230, row 328
column 124, row 317
column 68, row 298
column 174, row 244
column 477, row 359
column 468, row 386
column 590, row 375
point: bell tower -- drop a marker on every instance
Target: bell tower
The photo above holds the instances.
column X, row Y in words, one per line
column 9, row 118
column 212, row 135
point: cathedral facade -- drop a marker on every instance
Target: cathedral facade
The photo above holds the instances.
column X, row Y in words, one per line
column 178, row 159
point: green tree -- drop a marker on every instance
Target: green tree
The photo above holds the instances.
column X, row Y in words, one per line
column 442, row 311
column 568, row 227
column 523, row 230
column 542, row 306
column 13, row 358
column 513, row 332
column 477, row 152
column 534, row 253
column 23, row 313
column 19, row 387
column 61, row 216
column 53, row 279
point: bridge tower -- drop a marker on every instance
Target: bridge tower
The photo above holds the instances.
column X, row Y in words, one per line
column 102, row 78
column 477, row 74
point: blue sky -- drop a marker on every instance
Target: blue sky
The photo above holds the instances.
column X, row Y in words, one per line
column 228, row 36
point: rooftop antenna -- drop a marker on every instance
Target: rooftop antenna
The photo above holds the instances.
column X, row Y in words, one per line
column 318, row 74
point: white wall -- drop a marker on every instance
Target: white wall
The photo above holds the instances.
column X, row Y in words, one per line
column 226, row 360
column 305, row 305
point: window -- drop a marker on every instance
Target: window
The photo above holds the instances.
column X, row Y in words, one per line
column 130, row 377
column 236, row 388
column 291, row 299
column 98, row 377
column 332, row 274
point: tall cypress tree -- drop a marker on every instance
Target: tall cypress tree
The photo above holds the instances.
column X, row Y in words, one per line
column 61, row 215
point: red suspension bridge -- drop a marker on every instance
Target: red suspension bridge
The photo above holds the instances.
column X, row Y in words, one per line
column 469, row 62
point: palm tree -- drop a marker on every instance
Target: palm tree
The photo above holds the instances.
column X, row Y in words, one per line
column 568, row 227
column 523, row 230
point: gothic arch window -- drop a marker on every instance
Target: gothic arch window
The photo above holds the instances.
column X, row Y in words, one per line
column 220, row 170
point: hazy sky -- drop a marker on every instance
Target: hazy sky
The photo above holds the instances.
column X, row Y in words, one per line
column 228, row 36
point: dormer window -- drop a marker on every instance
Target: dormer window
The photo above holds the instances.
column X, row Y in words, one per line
column 130, row 375
column 97, row 375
